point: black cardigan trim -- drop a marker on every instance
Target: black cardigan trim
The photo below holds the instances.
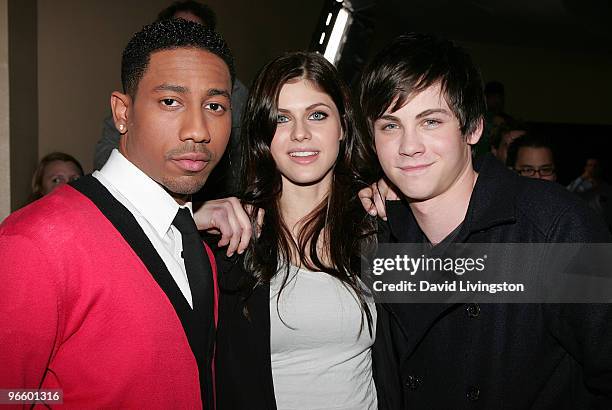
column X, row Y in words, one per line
column 198, row 323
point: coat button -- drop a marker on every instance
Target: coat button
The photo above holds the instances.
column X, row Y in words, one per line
column 413, row 382
column 472, row 393
column 473, row 310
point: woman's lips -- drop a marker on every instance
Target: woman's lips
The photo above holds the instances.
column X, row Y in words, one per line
column 304, row 157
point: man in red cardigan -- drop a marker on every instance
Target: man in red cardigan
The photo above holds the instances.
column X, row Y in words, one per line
column 97, row 299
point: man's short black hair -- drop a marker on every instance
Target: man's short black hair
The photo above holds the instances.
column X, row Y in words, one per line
column 414, row 62
column 527, row 140
column 168, row 35
column 201, row 11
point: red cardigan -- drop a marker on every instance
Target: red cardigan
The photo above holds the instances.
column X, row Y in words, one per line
column 80, row 311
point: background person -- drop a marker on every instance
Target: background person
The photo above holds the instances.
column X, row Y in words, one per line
column 503, row 137
column 590, row 178
column 532, row 156
column 591, row 187
column 54, row 170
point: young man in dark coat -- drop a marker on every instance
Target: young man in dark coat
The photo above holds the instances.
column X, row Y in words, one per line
column 423, row 99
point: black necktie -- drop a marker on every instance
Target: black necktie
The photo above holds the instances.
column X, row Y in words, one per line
column 194, row 255
column 199, row 274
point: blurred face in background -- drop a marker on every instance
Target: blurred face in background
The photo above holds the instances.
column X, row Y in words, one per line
column 58, row 173
column 502, row 152
column 495, row 102
column 535, row 162
column 592, row 170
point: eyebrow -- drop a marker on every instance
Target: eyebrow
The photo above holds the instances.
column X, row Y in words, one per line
column 216, row 91
column 310, row 107
column 171, row 87
column 433, row 111
column 184, row 90
column 388, row 117
column 548, row 164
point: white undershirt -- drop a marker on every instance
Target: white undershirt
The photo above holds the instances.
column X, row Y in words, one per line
column 320, row 359
column 154, row 210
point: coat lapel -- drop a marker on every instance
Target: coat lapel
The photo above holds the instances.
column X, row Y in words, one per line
column 248, row 314
column 413, row 319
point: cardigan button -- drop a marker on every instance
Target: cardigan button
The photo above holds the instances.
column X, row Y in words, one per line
column 413, row 382
column 472, row 393
column 473, row 310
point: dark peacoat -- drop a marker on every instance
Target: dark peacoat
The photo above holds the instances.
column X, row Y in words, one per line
column 502, row 356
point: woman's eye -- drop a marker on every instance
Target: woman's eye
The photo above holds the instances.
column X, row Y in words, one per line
column 318, row 116
column 280, row 118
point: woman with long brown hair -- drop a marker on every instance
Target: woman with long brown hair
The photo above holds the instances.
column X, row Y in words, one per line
column 296, row 324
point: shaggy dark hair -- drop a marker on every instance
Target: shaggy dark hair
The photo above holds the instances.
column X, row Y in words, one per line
column 201, row 11
column 414, row 62
column 168, row 35
column 527, row 140
column 339, row 220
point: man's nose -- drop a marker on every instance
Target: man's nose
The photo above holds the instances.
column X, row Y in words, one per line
column 411, row 143
column 195, row 127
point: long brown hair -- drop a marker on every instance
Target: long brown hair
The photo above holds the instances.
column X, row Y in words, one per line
column 339, row 220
